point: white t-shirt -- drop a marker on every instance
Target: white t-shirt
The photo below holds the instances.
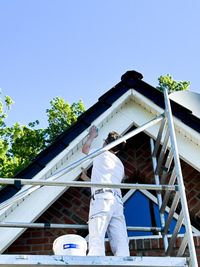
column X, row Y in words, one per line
column 107, row 168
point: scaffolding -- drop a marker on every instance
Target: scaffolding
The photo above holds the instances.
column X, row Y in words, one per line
column 168, row 185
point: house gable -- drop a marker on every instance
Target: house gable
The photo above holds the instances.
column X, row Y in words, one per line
column 132, row 102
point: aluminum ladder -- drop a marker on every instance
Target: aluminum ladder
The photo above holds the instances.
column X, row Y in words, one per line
column 167, row 170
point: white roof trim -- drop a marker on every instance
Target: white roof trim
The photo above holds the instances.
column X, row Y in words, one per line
column 188, row 140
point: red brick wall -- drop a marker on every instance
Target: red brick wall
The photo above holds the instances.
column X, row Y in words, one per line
column 72, row 206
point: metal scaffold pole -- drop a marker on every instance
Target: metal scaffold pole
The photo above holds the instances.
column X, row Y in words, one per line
column 159, row 196
column 88, row 184
column 193, row 258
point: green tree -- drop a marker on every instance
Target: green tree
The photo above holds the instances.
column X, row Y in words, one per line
column 5, row 105
column 20, row 144
column 61, row 115
column 171, row 85
column 25, row 143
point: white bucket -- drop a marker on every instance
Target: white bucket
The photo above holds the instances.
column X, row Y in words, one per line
column 71, row 245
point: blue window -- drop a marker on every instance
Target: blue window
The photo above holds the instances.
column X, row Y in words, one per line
column 142, row 211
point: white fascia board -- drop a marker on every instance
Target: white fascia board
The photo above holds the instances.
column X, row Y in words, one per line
column 188, row 140
column 33, row 205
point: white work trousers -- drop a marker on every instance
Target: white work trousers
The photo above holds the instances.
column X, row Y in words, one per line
column 106, row 215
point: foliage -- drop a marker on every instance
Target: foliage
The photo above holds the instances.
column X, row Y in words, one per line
column 61, row 115
column 171, row 85
column 20, row 144
column 24, row 145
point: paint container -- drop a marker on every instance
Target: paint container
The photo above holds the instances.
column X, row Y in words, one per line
column 71, row 245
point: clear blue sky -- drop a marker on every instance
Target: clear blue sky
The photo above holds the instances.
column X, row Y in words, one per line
column 78, row 49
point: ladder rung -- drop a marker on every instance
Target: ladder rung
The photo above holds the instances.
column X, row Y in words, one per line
column 167, row 194
column 162, row 153
column 158, row 139
column 167, row 167
column 171, row 212
column 176, row 231
column 183, row 246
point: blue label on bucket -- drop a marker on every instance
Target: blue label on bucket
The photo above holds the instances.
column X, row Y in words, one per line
column 67, row 246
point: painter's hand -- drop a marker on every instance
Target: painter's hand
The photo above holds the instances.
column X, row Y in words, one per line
column 84, row 176
column 93, row 132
